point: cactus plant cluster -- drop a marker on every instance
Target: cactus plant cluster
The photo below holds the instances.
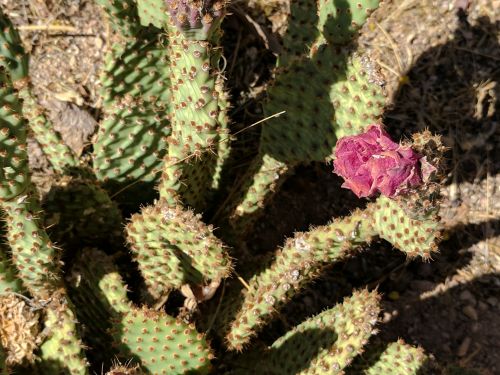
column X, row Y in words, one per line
column 165, row 124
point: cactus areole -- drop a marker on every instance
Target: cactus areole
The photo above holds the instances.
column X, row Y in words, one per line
column 372, row 162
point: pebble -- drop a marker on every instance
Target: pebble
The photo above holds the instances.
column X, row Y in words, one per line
column 387, row 317
column 464, row 347
column 466, row 295
column 493, row 301
column 475, row 327
column 470, row 312
column 482, row 306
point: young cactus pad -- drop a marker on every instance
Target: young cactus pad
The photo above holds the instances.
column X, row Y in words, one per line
column 160, row 343
column 174, row 247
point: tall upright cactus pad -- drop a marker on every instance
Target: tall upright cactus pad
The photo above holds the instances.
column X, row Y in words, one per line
column 174, row 247
column 160, row 343
column 131, row 140
column 99, row 294
column 62, row 351
column 194, row 33
column 152, row 12
column 337, row 93
column 9, row 282
column 14, row 158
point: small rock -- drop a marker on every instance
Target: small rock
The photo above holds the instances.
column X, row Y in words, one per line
column 493, row 301
column 466, row 295
column 470, row 312
column 464, row 347
column 482, row 306
column 475, row 327
column 386, row 318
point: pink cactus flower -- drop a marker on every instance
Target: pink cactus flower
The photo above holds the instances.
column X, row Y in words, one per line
column 371, row 162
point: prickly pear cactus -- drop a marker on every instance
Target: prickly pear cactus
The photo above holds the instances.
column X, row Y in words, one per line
column 153, row 288
column 174, row 247
column 160, row 343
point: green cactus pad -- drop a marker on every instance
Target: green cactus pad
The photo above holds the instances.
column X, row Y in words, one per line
column 413, row 236
column 122, row 15
column 174, row 247
column 153, row 12
column 9, row 281
column 16, row 61
column 262, row 177
column 327, row 343
column 62, row 351
column 194, row 94
column 80, row 213
column 196, row 128
column 161, row 344
column 131, row 141
column 33, row 253
column 59, row 155
column 99, row 294
column 398, row 358
column 301, row 33
column 334, row 98
column 300, row 260
column 13, row 56
column 13, row 155
column 312, row 22
column 339, row 21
